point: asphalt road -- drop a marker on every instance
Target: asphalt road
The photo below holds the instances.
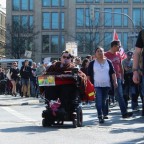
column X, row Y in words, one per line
column 22, row 125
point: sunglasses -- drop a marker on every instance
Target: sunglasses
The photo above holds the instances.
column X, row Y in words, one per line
column 66, row 57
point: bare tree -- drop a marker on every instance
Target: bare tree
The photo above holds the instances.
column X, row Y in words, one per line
column 19, row 39
column 91, row 35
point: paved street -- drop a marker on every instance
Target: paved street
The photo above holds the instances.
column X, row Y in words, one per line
column 20, row 123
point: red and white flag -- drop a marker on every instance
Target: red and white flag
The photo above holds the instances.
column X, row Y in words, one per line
column 122, row 53
column 121, row 50
column 115, row 36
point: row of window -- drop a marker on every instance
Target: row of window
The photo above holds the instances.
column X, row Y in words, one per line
column 23, row 23
column 53, row 3
column 86, row 39
column 22, row 43
column 52, row 43
column 24, row 5
column 53, row 20
column 112, row 17
column 108, row 1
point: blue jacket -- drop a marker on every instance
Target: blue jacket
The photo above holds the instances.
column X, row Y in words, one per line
column 91, row 72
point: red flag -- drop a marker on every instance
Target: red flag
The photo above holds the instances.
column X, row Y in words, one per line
column 115, row 36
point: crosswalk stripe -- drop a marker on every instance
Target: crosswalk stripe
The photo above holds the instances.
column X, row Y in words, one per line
column 19, row 115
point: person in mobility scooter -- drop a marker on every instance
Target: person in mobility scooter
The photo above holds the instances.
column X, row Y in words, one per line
column 62, row 90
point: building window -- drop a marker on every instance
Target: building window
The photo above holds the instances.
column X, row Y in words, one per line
column 46, row 20
column 55, row 20
column 46, row 3
column 79, row 17
column 117, row 17
column 31, row 4
column 24, row 23
column 97, row 1
column 135, row 1
column 125, row 41
column 62, row 20
column 137, row 16
column 62, row 3
column 108, row 17
column 107, row 40
column 55, row 3
column 107, row 0
column 31, row 23
column 15, row 23
column 97, row 17
column 80, row 1
column 125, row 1
column 81, row 41
column 87, row 18
column 16, row 4
column 125, row 19
column 63, row 43
column 117, row 0
column 45, row 43
column 24, row 4
column 143, row 17
column 54, row 44
column 88, row 1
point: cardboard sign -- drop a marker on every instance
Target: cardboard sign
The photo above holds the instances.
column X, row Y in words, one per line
column 46, row 80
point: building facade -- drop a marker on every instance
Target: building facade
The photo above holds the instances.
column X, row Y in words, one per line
column 2, row 31
column 87, row 22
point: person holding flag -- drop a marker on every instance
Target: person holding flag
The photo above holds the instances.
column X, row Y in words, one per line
column 114, row 55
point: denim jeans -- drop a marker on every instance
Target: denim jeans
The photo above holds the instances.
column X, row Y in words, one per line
column 132, row 91
column 33, row 88
column 101, row 100
column 120, row 98
column 142, row 90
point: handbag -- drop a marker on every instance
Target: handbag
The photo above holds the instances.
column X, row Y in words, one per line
column 8, row 75
column 89, row 91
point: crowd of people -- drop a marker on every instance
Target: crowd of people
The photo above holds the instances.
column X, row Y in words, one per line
column 114, row 79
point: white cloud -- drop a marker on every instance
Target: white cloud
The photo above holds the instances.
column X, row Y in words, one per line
column 3, row 3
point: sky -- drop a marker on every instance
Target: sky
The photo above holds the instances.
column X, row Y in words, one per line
column 3, row 3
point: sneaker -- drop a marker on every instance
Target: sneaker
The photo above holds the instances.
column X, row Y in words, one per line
column 105, row 117
column 101, row 120
column 127, row 115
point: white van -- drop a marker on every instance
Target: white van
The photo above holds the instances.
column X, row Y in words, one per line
column 7, row 63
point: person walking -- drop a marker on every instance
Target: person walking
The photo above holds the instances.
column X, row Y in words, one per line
column 14, row 72
column 130, row 88
column 138, row 71
column 114, row 55
column 25, row 73
column 101, row 73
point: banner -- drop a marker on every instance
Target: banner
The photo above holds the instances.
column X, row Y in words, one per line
column 28, row 54
column 71, row 47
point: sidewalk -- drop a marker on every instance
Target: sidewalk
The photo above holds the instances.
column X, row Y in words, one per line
column 8, row 100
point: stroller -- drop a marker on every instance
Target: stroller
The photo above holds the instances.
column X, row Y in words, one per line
column 62, row 94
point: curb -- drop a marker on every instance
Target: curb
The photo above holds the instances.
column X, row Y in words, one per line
column 21, row 103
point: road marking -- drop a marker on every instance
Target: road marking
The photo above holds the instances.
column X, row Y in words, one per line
column 19, row 115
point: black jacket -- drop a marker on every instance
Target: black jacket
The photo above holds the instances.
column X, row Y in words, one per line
column 91, row 72
column 25, row 72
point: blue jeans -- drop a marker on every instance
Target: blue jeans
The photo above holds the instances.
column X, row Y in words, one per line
column 101, row 100
column 132, row 90
column 33, row 88
column 120, row 98
column 142, row 90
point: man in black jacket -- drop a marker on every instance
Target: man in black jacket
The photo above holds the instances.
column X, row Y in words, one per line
column 25, row 73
